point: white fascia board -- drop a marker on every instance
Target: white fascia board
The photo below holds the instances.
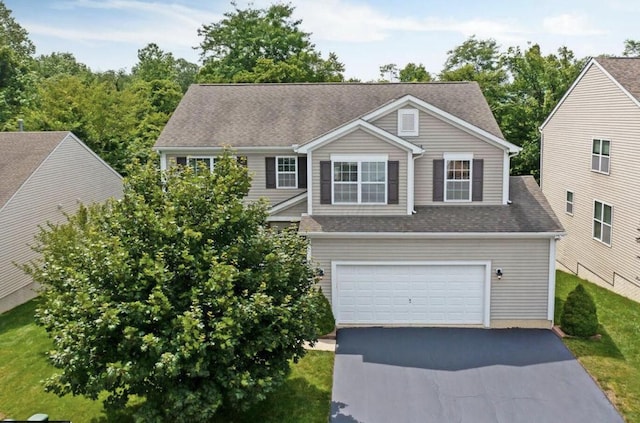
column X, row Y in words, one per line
column 93, row 153
column 352, row 126
column 215, row 149
column 283, row 219
column 448, row 117
column 435, row 235
column 288, row 203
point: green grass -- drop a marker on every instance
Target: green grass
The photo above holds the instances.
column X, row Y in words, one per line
column 305, row 396
column 614, row 360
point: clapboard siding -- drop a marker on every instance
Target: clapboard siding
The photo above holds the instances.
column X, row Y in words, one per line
column 71, row 174
column 256, row 165
column 295, row 210
column 596, row 108
column 438, row 137
column 521, row 294
column 360, row 142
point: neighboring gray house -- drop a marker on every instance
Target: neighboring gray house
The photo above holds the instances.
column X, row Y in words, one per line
column 591, row 174
column 402, row 189
column 42, row 175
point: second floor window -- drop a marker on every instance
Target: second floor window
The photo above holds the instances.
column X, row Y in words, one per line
column 360, row 181
column 600, row 156
column 201, row 163
column 458, row 180
column 286, row 172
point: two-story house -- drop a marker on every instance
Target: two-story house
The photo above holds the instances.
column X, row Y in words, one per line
column 591, row 174
column 403, row 191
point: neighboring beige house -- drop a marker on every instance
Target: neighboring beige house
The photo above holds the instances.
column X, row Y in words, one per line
column 402, row 189
column 42, row 175
column 591, row 174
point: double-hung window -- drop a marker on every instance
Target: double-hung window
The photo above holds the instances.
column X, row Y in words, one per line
column 600, row 156
column 457, row 177
column 569, row 202
column 602, row 221
column 287, row 172
column 359, row 180
column 200, row 163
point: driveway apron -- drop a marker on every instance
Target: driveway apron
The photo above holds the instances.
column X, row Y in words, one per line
column 398, row 375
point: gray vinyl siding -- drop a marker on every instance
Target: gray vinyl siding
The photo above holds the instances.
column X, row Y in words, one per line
column 295, row 210
column 256, row 165
column 438, row 137
column 70, row 174
column 360, row 142
column 596, row 108
column 521, row 294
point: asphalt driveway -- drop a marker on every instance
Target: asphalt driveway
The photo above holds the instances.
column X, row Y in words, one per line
column 403, row 375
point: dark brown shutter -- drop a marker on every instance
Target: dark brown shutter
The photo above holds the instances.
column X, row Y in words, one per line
column 181, row 161
column 438, row 180
column 478, row 175
column 270, row 169
column 325, row 182
column 302, row 172
column 393, row 189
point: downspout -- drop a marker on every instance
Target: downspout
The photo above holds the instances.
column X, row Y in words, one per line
column 413, row 206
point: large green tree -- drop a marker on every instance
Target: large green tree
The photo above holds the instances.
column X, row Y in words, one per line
column 537, row 83
column 263, row 45
column 177, row 293
column 17, row 79
column 414, row 73
column 480, row 61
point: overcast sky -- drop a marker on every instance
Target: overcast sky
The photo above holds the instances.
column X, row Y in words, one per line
column 106, row 34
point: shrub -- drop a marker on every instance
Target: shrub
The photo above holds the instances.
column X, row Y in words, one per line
column 326, row 320
column 579, row 315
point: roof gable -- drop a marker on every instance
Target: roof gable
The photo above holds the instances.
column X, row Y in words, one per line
column 443, row 115
column 623, row 72
column 273, row 115
column 21, row 153
column 353, row 126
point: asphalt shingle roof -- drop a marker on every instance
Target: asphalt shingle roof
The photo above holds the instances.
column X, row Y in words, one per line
column 529, row 213
column 625, row 70
column 257, row 115
column 20, row 155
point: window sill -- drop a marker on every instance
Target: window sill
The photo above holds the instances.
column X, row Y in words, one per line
column 361, row 204
column 601, row 242
column 600, row 172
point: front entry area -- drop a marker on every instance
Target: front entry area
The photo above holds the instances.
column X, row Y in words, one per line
column 411, row 293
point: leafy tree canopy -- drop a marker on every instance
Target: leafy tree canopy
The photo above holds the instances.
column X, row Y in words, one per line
column 263, row 45
column 177, row 294
column 631, row 48
column 414, row 73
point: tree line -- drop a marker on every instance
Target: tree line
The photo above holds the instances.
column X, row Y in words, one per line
column 120, row 114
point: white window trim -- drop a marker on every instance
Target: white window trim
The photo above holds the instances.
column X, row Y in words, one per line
column 359, row 159
column 416, row 122
column 448, row 157
column 593, row 220
column 600, row 156
column 572, row 202
column 212, row 160
column 286, row 173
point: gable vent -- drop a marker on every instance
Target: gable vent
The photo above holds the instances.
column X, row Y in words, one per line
column 408, row 122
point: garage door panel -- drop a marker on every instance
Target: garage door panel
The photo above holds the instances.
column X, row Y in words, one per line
column 409, row 294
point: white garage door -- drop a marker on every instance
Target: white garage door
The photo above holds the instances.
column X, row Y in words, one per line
column 409, row 293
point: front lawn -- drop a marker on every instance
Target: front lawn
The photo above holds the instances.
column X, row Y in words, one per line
column 305, row 397
column 614, row 361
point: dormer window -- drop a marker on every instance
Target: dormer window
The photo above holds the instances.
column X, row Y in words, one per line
column 408, row 122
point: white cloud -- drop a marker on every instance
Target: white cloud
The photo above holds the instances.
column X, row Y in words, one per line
column 570, row 24
column 340, row 20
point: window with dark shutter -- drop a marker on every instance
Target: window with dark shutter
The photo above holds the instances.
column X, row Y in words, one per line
column 302, row 172
column 325, row 182
column 393, row 188
column 438, row 180
column 477, row 179
column 270, row 172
